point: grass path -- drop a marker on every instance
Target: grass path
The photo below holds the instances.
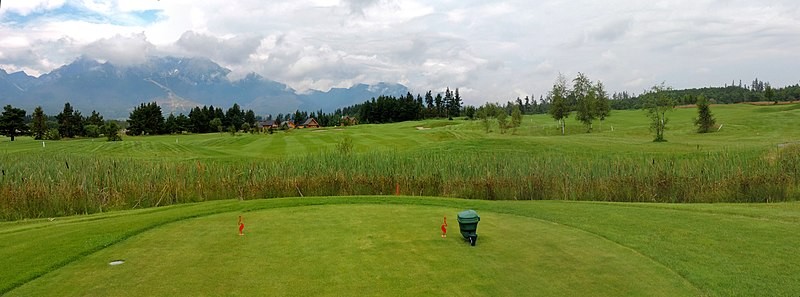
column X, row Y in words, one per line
column 719, row 249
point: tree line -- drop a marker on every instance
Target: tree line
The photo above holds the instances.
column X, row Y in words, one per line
column 389, row 109
column 68, row 123
column 757, row 91
column 586, row 99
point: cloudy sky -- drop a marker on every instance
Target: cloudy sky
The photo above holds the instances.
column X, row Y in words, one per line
column 491, row 50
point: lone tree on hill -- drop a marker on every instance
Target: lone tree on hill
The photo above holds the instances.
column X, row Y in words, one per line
column 12, row 122
column 658, row 103
column 559, row 107
column 705, row 120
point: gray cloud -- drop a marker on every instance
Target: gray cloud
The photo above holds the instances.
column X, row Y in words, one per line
column 121, row 50
column 234, row 50
column 491, row 50
column 358, row 6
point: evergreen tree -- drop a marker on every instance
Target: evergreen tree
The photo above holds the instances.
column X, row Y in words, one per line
column 420, row 107
column 146, row 119
column 183, row 123
column 234, row 117
column 454, row 109
column 298, row 117
column 559, row 109
column 448, row 103
column 12, row 122
column 250, row 117
column 219, row 114
column 439, row 105
column 429, row 102
column 705, row 120
column 69, row 123
column 526, row 109
column 94, row 119
column 198, row 122
column 171, row 125
column 769, row 94
column 457, row 103
column 469, row 111
column 39, row 123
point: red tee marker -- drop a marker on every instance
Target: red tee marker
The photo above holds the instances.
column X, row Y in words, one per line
column 241, row 225
column 444, row 228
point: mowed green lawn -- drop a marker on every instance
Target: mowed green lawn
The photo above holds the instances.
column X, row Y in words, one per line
column 390, row 246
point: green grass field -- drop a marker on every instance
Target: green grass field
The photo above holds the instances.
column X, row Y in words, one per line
column 379, row 246
column 754, row 157
column 147, row 200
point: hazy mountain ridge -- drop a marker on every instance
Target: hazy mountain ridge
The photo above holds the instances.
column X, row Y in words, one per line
column 177, row 84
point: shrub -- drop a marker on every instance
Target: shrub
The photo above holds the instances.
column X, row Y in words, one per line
column 52, row 134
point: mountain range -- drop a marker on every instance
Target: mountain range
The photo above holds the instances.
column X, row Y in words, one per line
column 177, row 84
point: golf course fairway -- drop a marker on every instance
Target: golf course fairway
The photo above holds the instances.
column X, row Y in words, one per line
column 391, row 246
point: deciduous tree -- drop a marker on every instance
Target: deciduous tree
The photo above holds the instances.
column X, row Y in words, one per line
column 216, row 124
column 658, row 103
column 603, row 105
column 516, row 117
column 111, row 129
column 502, row 119
column 559, row 108
column 585, row 100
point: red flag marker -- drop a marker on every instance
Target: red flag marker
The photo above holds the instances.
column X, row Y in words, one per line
column 444, row 228
column 241, row 225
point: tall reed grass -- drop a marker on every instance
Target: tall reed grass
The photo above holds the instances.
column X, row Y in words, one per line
column 46, row 185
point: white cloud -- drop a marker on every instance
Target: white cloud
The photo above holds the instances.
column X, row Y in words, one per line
column 490, row 50
column 28, row 6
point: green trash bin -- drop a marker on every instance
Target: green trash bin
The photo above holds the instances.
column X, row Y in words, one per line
column 468, row 224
